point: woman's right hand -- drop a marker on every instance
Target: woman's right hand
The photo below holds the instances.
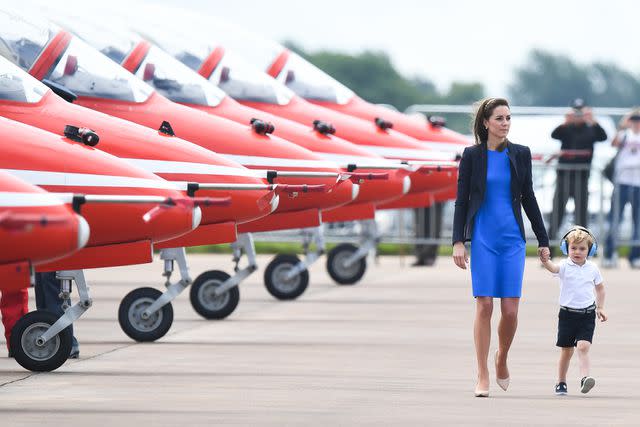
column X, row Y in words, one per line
column 460, row 256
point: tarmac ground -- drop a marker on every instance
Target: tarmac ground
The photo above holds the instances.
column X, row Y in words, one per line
column 396, row 349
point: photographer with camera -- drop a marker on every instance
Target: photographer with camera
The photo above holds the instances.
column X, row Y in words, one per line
column 578, row 134
column 626, row 182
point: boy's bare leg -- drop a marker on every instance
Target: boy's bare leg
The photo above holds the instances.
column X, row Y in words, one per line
column 563, row 365
column 583, row 357
column 482, row 338
column 506, row 331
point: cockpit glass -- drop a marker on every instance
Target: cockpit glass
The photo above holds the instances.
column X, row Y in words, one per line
column 86, row 72
column 243, row 83
column 176, row 81
column 17, row 85
column 309, row 82
column 111, row 39
column 80, row 68
column 22, row 41
column 193, row 46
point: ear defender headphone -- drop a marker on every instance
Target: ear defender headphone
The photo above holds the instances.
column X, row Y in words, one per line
column 564, row 245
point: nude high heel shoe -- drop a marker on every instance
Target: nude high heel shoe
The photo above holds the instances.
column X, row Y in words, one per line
column 502, row 382
column 481, row 393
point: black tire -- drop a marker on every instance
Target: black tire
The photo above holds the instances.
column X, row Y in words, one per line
column 338, row 272
column 131, row 321
column 33, row 357
column 277, row 286
column 203, row 300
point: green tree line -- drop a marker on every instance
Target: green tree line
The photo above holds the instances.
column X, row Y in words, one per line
column 553, row 80
column 545, row 79
column 373, row 77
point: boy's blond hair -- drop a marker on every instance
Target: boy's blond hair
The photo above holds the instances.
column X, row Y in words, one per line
column 578, row 236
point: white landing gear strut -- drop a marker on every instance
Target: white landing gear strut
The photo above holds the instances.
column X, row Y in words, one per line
column 40, row 341
column 347, row 263
column 286, row 276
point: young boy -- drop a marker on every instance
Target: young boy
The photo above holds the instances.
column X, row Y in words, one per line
column 581, row 300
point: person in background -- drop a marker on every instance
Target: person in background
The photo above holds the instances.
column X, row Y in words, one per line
column 578, row 134
column 626, row 181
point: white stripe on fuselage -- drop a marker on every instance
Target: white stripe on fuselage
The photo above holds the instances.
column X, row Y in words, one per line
column 10, row 199
column 446, row 146
column 70, row 179
column 410, row 153
column 169, row 166
column 345, row 159
column 274, row 162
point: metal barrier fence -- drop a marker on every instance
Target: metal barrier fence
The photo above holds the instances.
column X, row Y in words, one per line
column 567, row 194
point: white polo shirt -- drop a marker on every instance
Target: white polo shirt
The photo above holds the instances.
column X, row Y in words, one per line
column 577, row 283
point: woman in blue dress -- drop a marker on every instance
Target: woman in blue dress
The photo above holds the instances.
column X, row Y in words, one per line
column 494, row 183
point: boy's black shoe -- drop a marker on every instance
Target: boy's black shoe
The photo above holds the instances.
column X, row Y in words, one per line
column 561, row 389
column 587, row 384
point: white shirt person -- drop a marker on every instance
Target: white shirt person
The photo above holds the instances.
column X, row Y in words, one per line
column 577, row 283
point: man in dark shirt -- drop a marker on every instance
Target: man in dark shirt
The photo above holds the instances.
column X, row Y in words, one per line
column 578, row 134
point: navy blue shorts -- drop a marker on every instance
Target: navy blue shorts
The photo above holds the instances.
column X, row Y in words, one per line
column 574, row 327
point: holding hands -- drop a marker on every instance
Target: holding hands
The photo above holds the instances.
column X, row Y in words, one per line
column 544, row 253
column 545, row 258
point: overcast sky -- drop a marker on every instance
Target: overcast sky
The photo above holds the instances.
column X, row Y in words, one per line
column 446, row 40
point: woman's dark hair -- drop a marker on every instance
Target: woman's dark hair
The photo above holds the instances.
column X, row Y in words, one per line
column 483, row 112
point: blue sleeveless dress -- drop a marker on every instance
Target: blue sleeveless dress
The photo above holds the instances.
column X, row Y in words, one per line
column 497, row 247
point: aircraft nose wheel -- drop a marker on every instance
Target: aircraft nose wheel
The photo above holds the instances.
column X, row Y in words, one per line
column 278, row 284
column 30, row 352
column 339, row 271
column 135, row 324
column 204, row 299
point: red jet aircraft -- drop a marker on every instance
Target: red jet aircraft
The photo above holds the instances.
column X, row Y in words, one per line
column 30, row 216
column 65, row 60
column 191, row 167
column 207, row 46
column 151, row 65
column 148, row 209
column 196, row 48
column 181, row 84
column 312, row 84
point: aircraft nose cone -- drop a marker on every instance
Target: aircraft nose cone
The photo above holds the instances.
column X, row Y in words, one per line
column 196, row 217
column 83, row 231
column 406, row 185
column 355, row 190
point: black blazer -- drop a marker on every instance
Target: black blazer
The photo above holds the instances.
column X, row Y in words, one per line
column 472, row 182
